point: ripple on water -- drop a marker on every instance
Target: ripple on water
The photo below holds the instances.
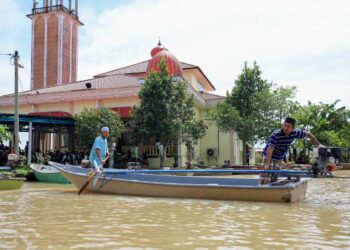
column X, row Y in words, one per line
column 43, row 216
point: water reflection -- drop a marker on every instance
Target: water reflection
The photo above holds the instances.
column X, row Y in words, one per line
column 54, row 216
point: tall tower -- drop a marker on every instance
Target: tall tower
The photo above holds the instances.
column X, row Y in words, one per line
column 54, row 43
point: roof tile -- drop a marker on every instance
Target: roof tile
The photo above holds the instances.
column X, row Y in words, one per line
column 140, row 67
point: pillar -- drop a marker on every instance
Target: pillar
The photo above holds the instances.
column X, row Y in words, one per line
column 30, row 142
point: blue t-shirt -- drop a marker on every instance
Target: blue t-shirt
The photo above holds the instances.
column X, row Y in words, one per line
column 281, row 142
column 101, row 144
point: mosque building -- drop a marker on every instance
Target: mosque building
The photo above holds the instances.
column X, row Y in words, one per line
column 47, row 110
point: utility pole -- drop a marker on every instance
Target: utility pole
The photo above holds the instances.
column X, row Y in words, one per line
column 16, row 125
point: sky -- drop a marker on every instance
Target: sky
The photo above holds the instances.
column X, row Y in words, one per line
column 302, row 42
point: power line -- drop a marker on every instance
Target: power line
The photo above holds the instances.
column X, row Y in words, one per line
column 20, row 82
column 25, row 68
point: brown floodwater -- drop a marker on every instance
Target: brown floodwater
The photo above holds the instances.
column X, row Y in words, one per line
column 52, row 216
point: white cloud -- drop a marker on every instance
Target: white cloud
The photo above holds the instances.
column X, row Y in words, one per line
column 305, row 43
column 220, row 35
column 14, row 35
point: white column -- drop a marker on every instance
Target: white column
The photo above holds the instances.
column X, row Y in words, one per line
column 70, row 51
column 71, row 108
column 232, row 147
column 32, row 61
column 236, row 148
column 60, row 49
column 45, row 49
column 34, row 108
column 76, row 50
column 30, row 142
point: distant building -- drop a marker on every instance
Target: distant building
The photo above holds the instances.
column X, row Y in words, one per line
column 55, row 95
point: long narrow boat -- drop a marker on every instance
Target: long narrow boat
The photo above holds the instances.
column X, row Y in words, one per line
column 145, row 183
column 46, row 173
column 345, row 166
column 10, row 183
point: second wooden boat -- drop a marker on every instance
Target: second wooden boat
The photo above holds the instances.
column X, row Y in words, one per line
column 46, row 173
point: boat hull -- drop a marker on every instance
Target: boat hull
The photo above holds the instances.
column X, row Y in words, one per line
column 345, row 166
column 45, row 173
column 144, row 185
column 11, row 183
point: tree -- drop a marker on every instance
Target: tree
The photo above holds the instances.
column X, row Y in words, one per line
column 5, row 135
column 165, row 109
column 89, row 122
column 194, row 129
column 279, row 103
column 255, row 107
column 330, row 125
column 242, row 109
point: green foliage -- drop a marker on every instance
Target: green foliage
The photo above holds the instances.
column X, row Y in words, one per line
column 89, row 122
column 226, row 116
column 154, row 117
column 254, row 108
column 330, row 124
column 260, row 106
column 278, row 104
column 5, row 135
column 194, row 129
column 165, row 112
column 245, row 93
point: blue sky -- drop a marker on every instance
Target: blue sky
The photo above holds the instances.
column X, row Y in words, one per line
column 302, row 43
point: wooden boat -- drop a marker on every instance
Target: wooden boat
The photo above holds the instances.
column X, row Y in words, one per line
column 144, row 183
column 46, row 173
column 345, row 166
column 10, row 183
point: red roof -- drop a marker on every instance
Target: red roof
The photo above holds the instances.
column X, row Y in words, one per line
column 110, row 82
column 140, row 67
column 208, row 96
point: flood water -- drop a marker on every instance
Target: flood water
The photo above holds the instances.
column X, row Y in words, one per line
column 52, row 216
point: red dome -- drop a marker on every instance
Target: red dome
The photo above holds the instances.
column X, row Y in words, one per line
column 172, row 63
column 157, row 49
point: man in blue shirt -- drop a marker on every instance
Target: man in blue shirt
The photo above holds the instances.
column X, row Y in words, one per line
column 276, row 149
column 99, row 151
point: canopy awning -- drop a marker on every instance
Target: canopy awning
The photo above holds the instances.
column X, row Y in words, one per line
column 56, row 114
column 41, row 119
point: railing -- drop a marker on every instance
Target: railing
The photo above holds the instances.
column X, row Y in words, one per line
column 54, row 8
column 153, row 151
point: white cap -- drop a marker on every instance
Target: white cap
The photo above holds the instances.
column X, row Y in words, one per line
column 12, row 157
column 103, row 129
